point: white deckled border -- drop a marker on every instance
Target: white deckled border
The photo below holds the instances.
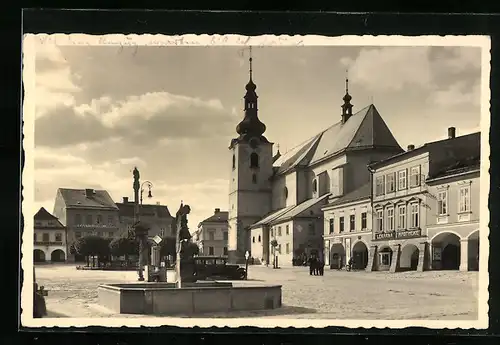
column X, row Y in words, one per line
column 29, row 49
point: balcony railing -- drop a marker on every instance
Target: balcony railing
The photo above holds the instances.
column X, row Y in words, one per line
column 48, row 243
column 398, row 234
column 92, row 226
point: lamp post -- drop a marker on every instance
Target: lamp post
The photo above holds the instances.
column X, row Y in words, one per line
column 141, row 232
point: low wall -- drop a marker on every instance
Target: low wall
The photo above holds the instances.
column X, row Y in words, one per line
column 192, row 298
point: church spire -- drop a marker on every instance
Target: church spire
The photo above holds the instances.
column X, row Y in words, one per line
column 347, row 106
column 251, row 124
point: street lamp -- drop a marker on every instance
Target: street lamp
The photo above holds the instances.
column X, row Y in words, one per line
column 149, row 185
column 141, row 231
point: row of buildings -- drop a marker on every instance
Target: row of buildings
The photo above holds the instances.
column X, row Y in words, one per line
column 81, row 212
column 353, row 191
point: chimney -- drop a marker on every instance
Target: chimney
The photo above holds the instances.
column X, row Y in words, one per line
column 411, row 147
column 89, row 193
column 451, row 132
column 217, row 210
column 125, row 199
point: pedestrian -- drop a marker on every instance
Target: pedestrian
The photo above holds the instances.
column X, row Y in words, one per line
column 311, row 265
column 321, row 267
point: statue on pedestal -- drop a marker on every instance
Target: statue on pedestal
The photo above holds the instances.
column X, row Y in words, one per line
column 182, row 238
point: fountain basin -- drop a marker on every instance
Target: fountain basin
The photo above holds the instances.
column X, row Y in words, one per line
column 192, row 298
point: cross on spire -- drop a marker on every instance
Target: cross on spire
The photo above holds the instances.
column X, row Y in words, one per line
column 250, row 60
column 346, row 81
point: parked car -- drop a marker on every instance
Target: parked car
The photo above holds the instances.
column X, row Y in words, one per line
column 39, row 294
column 211, row 267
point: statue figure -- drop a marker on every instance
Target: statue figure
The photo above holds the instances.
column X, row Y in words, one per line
column 182, row 238
column 136, row 179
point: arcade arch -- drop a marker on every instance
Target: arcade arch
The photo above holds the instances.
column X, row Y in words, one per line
column 409, row 258
column 337, row 259
column 39, row 255
column 446, row 251
column 57, row 255
column 360, row 254
column 473, row 251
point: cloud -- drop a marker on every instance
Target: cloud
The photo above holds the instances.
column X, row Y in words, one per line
column 390, row 68
column 54, row 84
column 458, row 94
column 56, row 168
column 142, row 119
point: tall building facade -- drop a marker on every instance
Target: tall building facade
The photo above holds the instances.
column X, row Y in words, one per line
column 212, row 234
column 86, row 212
column 422, row 206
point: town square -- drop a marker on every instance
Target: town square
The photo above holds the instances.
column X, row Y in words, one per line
column 321, row 182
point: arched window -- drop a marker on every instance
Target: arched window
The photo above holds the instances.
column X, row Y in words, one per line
column 253, row 239
column 254, row 160
column 315, row 186
column 285, row 190
column 259, row 238
column 234, row 161
column 254, row 178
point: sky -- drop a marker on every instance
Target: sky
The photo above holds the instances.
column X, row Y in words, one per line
column 172, row 111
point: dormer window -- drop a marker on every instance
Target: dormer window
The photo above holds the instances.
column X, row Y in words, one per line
column 254, row 160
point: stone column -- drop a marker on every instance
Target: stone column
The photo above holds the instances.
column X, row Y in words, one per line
column 422, row 257
column 396, row 256
column 372, row 259
column 464, row 254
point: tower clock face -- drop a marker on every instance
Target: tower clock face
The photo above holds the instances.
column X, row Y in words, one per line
column 254, row 142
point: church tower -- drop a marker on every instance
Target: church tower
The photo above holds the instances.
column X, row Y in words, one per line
column 251, row 169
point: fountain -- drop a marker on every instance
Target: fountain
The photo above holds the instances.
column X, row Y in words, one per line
column 186, row 296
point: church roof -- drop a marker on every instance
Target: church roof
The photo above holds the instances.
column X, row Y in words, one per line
column 289, row 212
column 363, row 192
column 299, row 210
column 363, row 130
column 271, row 216
column 77, row 198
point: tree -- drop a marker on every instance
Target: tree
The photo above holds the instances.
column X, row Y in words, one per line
column 92, row 246
column 167, row 246
column 190, row 249
column 124, row 246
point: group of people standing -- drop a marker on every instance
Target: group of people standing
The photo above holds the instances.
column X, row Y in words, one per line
column 316, row 266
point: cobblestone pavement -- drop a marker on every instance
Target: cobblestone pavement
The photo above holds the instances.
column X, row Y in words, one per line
column 438, row 295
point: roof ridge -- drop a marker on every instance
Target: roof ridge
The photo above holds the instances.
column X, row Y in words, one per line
column 323, row 131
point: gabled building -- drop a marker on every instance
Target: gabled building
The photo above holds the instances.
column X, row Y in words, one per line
column 453, row 215
column 212, row 234
column 263, row 186
column 405, row 206
column 49, row 238
column 157, row 217
column 348, row 228
column 85, row 212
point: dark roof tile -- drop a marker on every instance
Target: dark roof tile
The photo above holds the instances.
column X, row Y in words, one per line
column 363, row 192
column 219, row 217
column 78, row 198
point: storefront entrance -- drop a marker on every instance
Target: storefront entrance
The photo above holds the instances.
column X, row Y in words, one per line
column 360, row 255
column 384, row 259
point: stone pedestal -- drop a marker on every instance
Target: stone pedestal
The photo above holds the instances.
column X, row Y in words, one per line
column 396, row 256
column 464, row 255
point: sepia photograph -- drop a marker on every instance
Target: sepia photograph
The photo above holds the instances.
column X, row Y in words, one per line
column 269, row 181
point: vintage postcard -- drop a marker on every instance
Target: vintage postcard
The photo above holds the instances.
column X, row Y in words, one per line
column 269, row 181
